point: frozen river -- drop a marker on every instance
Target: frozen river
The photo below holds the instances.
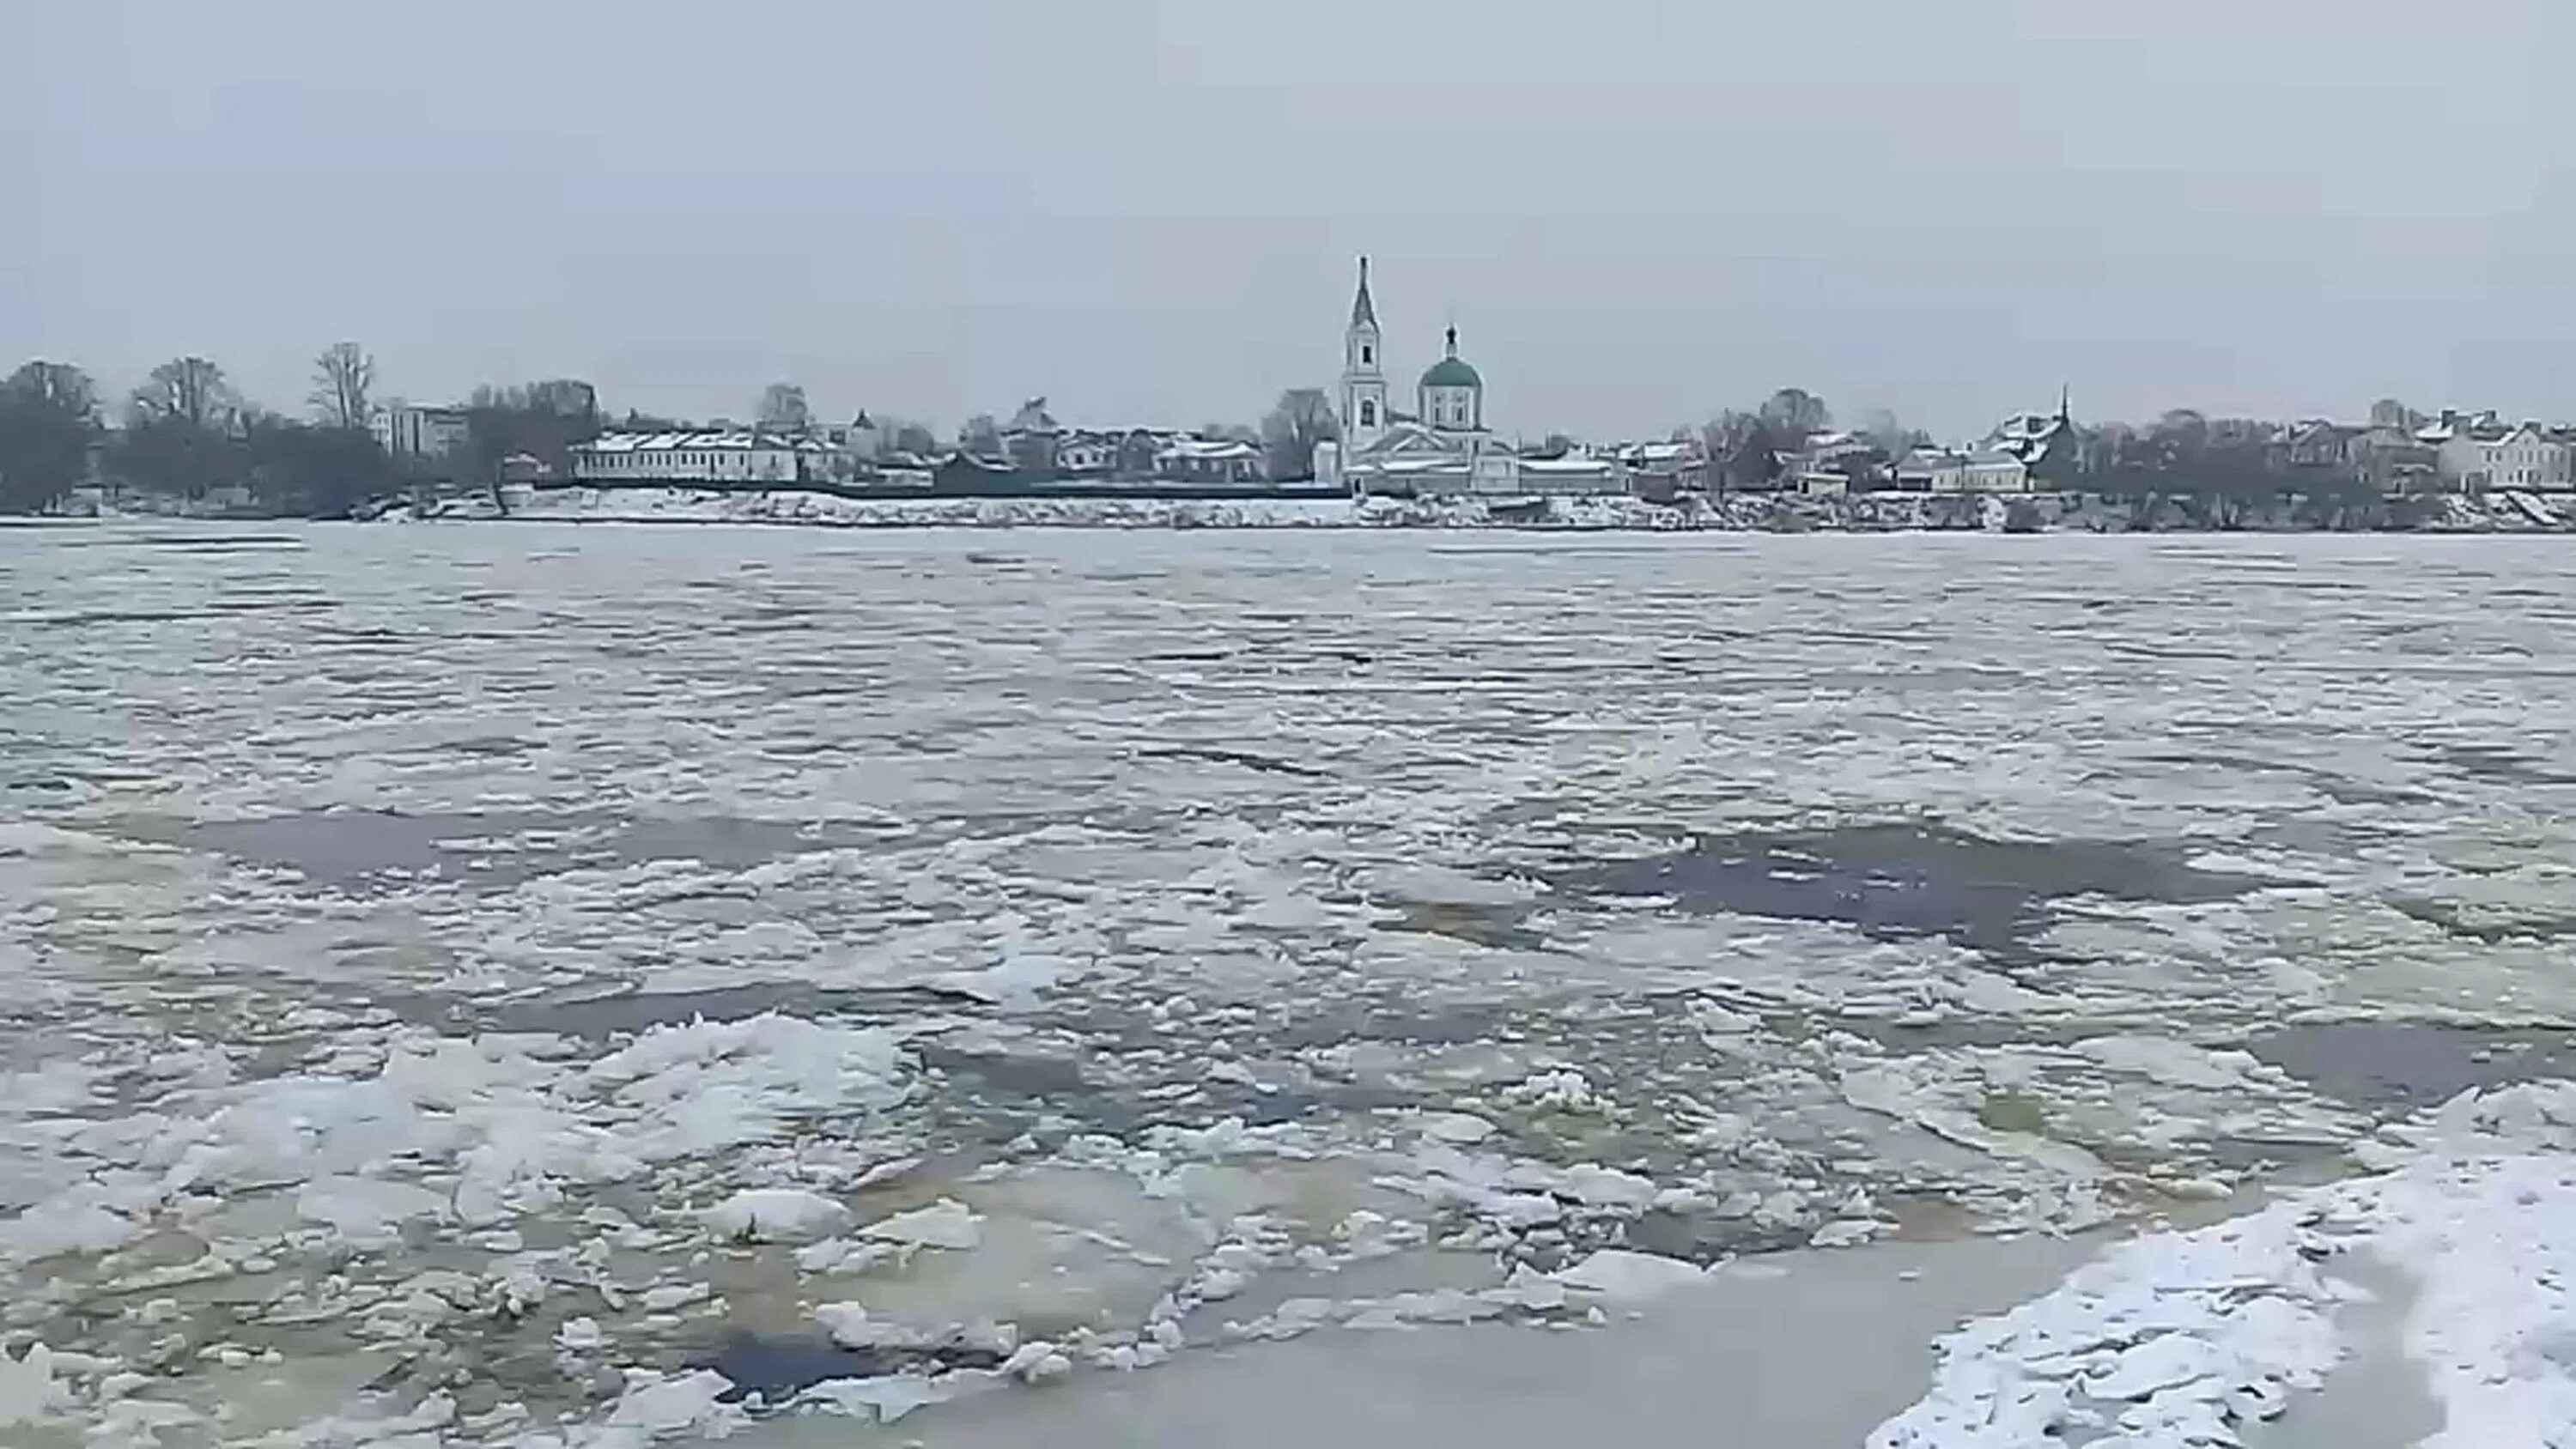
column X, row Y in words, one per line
column 451, row 971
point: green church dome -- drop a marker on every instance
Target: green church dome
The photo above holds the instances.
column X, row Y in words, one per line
column 1450, row 372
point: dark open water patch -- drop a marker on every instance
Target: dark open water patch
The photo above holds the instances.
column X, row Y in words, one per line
column 771, row 1369
column 2499, row 763
column 629, row 1013
column 340, row 847
column 1913, row 880
column 2413, row 1064
column 347, row 847
column 1247, row 759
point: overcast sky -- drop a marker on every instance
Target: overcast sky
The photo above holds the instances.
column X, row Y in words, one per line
column 1636, row 211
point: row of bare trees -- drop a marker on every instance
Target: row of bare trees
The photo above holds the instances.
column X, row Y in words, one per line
column 187, row 431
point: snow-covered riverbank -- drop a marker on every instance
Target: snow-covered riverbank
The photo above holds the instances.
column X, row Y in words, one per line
column 1875, row 513
column 2429, row 1304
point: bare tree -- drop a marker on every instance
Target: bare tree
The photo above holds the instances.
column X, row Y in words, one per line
column 1797, row 414
column 783, row 408
column 1303, row 419
column 1890, row 436
column 48, row 420
column 343, row 377
column 981, row 436
column 57, row 385
column 188, row 390
column 1742, row 451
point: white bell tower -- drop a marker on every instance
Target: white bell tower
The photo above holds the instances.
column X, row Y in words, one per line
column 1363, row 400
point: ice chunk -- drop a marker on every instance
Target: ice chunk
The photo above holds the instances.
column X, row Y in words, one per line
column 1462, row 1128
column 659, row 1405
column 775, row 1214
column 1623, row 1276
column 946, row 1223
column 886, row 1398
column 28, row 1392
column 1037, row 1362
column 579, row 1335
column 1017, row 981
column 850, row 1326
column 64, row 1225
column 365, row 1207
column 1608, row 1187
column 2159, row 1363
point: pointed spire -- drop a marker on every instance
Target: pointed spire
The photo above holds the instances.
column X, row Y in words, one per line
column 2066, row 404
column 1363, row 306
column 1453, row 339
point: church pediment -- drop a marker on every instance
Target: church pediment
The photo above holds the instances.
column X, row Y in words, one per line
column 1408, row 438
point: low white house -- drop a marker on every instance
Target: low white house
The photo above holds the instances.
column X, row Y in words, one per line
column 1932, row 470
column 1977, row 470
column 1997, row 470
column 1209, row 460
column 711, row 456
column 1576, row 475
column 1087, row 452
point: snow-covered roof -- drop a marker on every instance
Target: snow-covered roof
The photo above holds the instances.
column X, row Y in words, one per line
column 1209, row 449
column 705, row 441
column 1660, row 452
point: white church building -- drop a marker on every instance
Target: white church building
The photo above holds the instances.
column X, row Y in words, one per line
column 1442, row 447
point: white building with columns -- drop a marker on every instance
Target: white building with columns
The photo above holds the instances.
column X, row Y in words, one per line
column 1442, row 447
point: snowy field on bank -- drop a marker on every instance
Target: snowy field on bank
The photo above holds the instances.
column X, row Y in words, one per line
column 566, row 985
column 1879, row 513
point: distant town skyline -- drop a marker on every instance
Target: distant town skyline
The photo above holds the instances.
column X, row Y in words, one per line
column 1637, row 214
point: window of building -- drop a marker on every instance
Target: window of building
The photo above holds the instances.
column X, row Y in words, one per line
column 1368, row 413
column 1368, row 355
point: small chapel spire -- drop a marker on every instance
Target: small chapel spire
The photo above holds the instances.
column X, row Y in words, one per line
column 1453, row 339
column 1363, row 306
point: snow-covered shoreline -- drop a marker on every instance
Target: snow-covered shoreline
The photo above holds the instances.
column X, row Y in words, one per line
column 2429, row 1303
column 2268, row 1328
column 1877, row 513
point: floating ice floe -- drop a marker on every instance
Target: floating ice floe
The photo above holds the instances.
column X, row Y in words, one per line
column 656, row 1404
column 885, row 1398
column 775, row 1214
column 1618, row 1275
column 28, row 1392
column 1016, row 981
column 507, row 1129
column 946, row 1223
column 1462, row 1128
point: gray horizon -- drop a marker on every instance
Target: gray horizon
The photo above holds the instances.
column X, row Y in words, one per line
column 1637, row 214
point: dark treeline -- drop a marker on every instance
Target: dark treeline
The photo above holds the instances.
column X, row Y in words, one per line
column 188, row 434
